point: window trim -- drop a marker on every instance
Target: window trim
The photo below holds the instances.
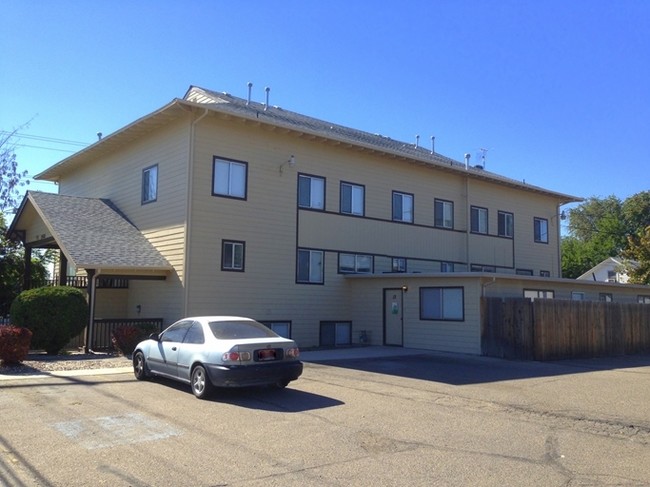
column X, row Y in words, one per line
column 230, row 162
column 147, row 170
column 309, row 281
column 479, row 210
column 234, row 243
column 442, row 289
column 312, row 177
column 505, row 214
column 441, row 222
column 356, row 263
column 392, row 206
column 537, row 229
column 352, row 186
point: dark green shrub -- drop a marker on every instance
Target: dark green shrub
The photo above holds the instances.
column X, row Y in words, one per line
column 14, row 344
column 54, row 315
column 126, row 337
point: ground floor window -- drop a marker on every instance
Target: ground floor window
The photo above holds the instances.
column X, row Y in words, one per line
column 335, row 333
column 442, row 303
column 232, row 255
column 643, row 299
column 606, row 297
column 282, row 328
column 539, row 294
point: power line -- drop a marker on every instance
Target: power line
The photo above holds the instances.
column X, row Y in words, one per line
column 45, row 148
column 46, row 139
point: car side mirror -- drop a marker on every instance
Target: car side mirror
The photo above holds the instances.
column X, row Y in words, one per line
column 154, row 336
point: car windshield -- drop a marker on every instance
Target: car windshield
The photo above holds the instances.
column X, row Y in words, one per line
column 228, row 330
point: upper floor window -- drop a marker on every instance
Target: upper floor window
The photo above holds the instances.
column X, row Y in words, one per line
column 232, row 256
column 402, row 207
column 442, row 303
column 398, row 264
column 446, row 267
column 545, row 273
column 311, row 192
column 479, row 220
column 229, row 178
column 355, row 263
column 506, row 224
column 541, row 230
column 150, row 184
column 443, row 214
column 310, row 266
column 524, row 272
column 352, row 199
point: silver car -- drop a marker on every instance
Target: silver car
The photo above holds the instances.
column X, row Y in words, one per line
column 218, row 351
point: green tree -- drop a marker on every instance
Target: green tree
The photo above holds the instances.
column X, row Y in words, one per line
column 638, row 252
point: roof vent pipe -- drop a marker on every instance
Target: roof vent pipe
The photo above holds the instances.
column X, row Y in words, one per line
column 250, row 86
column 467, row 156
column 433, row 144
column 266, row 105
column 417, row 141
column 99, row 136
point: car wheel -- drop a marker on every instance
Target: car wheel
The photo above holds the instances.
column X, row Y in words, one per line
column 281, row 384
column 140, row 366
column 201, row 385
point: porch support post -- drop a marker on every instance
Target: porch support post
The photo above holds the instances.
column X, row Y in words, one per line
column 63, row 269
column 27, row 278
column 91, row 309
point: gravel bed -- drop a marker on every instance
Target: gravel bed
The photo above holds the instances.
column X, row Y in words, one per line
column 37, row 363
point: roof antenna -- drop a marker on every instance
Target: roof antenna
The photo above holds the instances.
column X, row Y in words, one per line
column 433, row 144
column 250, row 86
column 267, row 89
column 417, row 141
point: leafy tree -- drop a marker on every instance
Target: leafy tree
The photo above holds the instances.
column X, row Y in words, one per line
column 638, row 251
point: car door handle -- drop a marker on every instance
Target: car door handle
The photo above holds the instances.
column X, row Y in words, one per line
column 174, row 349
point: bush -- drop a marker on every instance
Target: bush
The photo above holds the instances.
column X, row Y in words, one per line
column 53, row 314
column 126, row 337
column 14, row 344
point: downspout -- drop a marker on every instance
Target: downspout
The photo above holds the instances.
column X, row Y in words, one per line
column 188, row 206
column 92, row 286
column 558, row 219
column 468, row 224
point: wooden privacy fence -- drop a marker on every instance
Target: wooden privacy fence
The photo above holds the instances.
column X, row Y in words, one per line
column 103, row 331
column 550, row 329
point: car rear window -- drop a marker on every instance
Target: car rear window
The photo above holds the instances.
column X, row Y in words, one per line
column 228, row 330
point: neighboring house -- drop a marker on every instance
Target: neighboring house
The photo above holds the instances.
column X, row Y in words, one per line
column 219, row 205
column 609, row 270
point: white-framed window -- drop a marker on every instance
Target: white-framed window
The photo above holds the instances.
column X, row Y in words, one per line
column 577, row 296
column 398, row 264
column 443, row 212
column 506, row 224
column 229, row 178
column 642, row 299
column 446, row 267
column 442, row 303
column 352, row 199
column 355, row 263
column 232, row 255
column 150, row 184
column 402, row 207
column 311, row 192
column 539, row 294
column 310, row 266
column 606, row 297
column 541, row 230
column 479, row 220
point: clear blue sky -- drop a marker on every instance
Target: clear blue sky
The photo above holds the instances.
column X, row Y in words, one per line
column 557, row 91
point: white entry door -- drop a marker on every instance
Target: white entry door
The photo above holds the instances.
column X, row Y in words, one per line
column 393, row 317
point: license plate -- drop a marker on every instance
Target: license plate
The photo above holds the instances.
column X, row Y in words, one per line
column 267, row 354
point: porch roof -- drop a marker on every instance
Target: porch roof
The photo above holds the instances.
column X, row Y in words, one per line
column 91, row 232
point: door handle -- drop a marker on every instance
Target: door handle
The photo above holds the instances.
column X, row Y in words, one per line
column 174, row 349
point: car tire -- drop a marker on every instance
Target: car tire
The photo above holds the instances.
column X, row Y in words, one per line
column 200, row 382
column 140, row 366
column 281, row 384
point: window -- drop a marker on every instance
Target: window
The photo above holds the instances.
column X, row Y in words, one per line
column 311, row 192
column 195, row 335
column 402, row 207
column 539, row 294
column 232, row 256
column 310, row 266
column 479, row 220
column 524, row 272
column 398, row 264
column 545, row 273
column 443, row 214
column 352, row 199
column 606, row 297
column 611, row 276
column 442, row 303
column 282, row 328
column 176, row 332
column 335, row 333
column 643, row 299
column 577, row 296
column 446, row 267
column 541, row 230
column 229, row 178
column 482, row 268
column 355, row 263
column 506, row 224
column 150, row 184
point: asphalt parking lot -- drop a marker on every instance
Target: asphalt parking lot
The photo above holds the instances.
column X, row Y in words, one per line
column 373, row 417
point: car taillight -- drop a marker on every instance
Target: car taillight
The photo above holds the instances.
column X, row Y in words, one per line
column 293, row 352
column 236, row 356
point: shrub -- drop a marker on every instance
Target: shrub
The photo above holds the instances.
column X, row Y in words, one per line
column 53, row 314
column 14, row 344
column 126, row 337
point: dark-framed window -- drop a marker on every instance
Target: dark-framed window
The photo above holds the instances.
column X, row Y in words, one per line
column 524, row 272
column 446, row 267
column 506, row 225
column 282, row 328
column 232, row 255
column 541, row 230
column 310, row 266
column 479, row 220
column 398, row 264
column 442, row 303
column 482, row 268
column 150, row 184
column 355, row 263
column 311, row 192
column 352, row 199
column 402, row 207
column 605, row 297
column 539, row 294
column 229, row 178
column 335, row 333
column 577, row 296
column 545, row 273
column 443, row 213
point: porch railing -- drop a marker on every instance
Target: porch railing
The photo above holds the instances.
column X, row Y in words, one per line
column 81, row 282
column 103, row 330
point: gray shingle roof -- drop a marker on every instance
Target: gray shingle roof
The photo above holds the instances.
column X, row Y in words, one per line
column 94, row 234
